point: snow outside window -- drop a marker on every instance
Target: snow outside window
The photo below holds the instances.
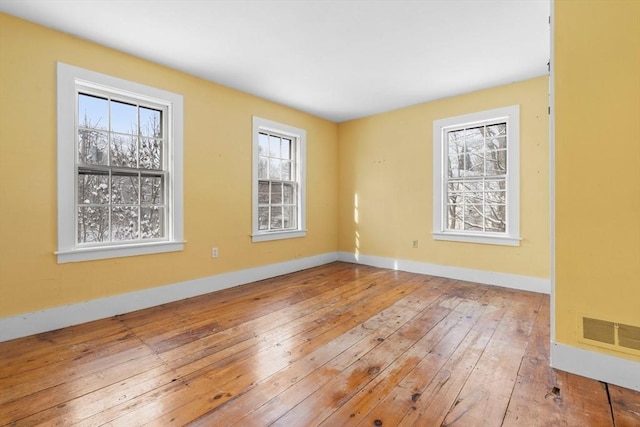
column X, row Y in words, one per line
column 476, row 177
column 119, row 167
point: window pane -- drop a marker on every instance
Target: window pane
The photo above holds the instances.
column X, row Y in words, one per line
column 289, row 217
column 495, row 184
column 150, row 122
column 276, row 217
column 286, row 148
column 289, row 194
column 473, row 217
column 455, row 186
column 92, row 112
column 124, row 118
column 93, row 224
column 456, row 149
column 473, row 185
column 263, row 218
column 150, row 153
column 92, row 147
column 455, row 198
column 454, row 217
column 499, row 129
column 274, row 169
column 474, row 151
column 124, row 189
column 475, row 145
column 124, row 151
column 496, row 162
column 263, row 193
column 493, row 197
column 473, row 198
column 496, row 143
column 464, row 163
column 151, row 222
column 456, row 140
column 276, row 193
column 476, row 164
column 263, row 144
column 455, row 168
column 151, row 190
column 287, row 171
column 495, row 218
column 93, row 187
column 124, row 223
column 263, row 166
column 274, row 146
column 474, row 139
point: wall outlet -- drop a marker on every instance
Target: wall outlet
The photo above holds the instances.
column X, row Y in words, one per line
column 415, row 243
column 214, row 252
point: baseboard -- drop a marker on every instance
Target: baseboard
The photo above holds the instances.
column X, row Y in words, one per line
column 599, row 366
column 514, row 281
column 59, row 317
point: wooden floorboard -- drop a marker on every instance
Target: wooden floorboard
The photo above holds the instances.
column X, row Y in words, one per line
column 335, row 345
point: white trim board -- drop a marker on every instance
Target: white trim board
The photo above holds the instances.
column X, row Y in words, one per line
column 598, row 366
column 552, row 168
column 59, row 317
column 513, row 281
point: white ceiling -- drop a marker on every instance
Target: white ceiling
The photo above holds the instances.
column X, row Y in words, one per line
column 336, row 59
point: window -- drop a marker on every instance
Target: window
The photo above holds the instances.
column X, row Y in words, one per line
column 476, row 177
column 278, row 181
column 119, row 167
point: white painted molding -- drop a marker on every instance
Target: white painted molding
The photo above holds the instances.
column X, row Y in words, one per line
column 599, row 366
column 59, row 317
column 513, row 281
column 552, row 167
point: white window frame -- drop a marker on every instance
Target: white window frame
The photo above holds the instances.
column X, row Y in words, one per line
column 71, row 80
column 299, row 136
column 511, row 237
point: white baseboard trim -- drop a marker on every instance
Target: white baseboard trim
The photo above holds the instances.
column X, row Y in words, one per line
column 59, row 317
column 599, row 366
column 513, row 281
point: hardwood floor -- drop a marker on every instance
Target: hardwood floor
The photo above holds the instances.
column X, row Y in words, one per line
column 340, row 344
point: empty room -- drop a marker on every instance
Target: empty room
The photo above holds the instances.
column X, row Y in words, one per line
column 305, row 213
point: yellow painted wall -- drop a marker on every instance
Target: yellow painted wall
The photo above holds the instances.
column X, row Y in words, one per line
column 385, row 176
column 597, row 145
column 217, row 177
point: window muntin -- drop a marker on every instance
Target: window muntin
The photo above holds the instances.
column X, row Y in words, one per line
column 279, row 181
column 476, row 177
column 119, row 176
column 121, row 191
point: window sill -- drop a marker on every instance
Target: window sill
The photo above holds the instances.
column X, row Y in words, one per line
column 486, row 239
column 105, row 252
column 278, row 235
